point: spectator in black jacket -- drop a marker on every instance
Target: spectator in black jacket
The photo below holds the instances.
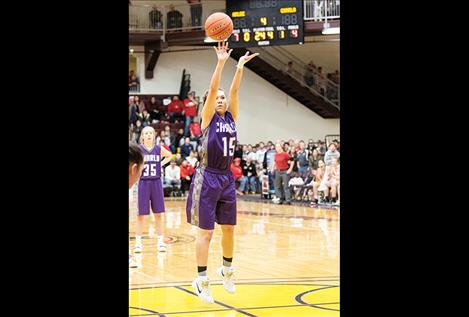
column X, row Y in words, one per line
column 249, row 179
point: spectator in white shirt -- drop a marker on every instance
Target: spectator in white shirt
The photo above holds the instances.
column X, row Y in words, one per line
column 172, row 174
column 192, row 159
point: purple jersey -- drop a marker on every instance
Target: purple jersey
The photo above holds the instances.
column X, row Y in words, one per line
column 152, row 162
column 218, row 143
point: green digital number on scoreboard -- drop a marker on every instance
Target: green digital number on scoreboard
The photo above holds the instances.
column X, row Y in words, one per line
column 265, row 22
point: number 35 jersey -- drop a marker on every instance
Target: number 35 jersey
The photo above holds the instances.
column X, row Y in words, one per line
column 152, row 162
column 218, row 143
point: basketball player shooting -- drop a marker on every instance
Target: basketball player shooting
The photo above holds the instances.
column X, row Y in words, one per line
column 212, row 194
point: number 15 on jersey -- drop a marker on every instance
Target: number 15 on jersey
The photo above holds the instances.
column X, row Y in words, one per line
column 228, row 147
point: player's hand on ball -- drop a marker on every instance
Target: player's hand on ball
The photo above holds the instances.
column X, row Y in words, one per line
column 246, row 58
column 222, row 51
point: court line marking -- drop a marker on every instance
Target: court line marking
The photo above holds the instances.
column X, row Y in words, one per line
column 218, row 302
column 299, row 299
column 273, row 279
column 245, row 283
column 147, row 310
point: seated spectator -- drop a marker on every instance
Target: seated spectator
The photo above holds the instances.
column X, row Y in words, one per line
column 296, row 184
column 190, row 111
column 175, row 110
column 186, row 175
column 156, row 18
column 173, row 18
column 249, row 180
column 153, row 109
column 331, row 154
column 134, row 84
column 194, row 141
column 178, row 159
column 237, row 171
column 172, row 174
column 314, row 184
column 186, row 148
column 137, row 129
column 195, row 128
column 192, row 159
column 144, row 117
column 179, row 138
column 140, row 104
column 330, row 181
column 164, row 137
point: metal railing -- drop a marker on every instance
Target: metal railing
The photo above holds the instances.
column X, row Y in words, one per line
column 321, row 10
column 153, row 18
column 319, row 85
column 185, row 17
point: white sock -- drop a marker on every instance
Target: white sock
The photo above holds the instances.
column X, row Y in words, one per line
column 138, row 240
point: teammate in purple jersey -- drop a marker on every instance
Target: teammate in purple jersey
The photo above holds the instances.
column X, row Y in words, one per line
column 150, row 189
column 212, row 195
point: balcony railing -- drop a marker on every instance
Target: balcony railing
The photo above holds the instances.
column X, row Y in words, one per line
column 321, row 10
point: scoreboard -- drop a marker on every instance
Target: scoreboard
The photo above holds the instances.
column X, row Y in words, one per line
column 265, row 22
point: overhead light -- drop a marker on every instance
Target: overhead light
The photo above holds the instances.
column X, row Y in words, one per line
column 328, row 30
column 209, row 40
column 131, row 51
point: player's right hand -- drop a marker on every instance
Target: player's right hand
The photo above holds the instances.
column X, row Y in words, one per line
column 222, row 51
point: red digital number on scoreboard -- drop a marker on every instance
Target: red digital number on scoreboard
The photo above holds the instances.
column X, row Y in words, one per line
column 294, row 33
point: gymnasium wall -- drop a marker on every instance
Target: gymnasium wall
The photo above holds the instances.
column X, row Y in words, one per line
column 266, row 112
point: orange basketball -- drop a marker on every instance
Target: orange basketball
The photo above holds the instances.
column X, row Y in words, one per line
column 218, row 26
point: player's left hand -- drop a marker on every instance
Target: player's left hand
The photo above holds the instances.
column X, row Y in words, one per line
column 246, row 58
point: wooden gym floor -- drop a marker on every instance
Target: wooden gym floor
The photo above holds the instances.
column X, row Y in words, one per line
column 286, row 263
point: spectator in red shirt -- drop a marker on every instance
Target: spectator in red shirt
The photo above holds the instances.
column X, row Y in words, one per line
column 237, row 171
column 190, row 111
column 195, row 128
column 283, row 166
column 175, row 109
column 186, row 175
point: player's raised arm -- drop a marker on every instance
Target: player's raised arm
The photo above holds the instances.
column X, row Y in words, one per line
column 208, row 110
column 234, row 106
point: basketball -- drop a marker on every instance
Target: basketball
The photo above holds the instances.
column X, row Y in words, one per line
column 218, row 26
